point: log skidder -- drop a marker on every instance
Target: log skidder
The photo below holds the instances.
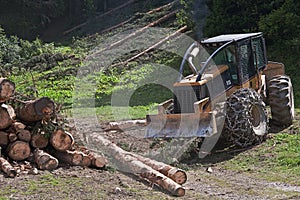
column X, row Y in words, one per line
column 237, row 66
column 246, row 120
column 281, row 100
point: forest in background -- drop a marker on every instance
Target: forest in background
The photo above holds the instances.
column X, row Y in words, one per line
column 23, row 25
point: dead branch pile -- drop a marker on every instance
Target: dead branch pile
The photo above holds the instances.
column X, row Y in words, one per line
column 30, row 133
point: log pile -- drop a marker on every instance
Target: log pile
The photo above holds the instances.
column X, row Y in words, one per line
column 31, row 139
column 30, row 135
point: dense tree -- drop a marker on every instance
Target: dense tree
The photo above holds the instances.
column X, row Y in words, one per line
column 283, row 24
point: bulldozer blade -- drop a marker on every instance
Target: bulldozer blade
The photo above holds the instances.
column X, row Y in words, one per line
column 181, row 125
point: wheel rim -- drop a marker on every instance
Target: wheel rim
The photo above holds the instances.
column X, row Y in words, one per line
column 258, row 120
column 292, row 102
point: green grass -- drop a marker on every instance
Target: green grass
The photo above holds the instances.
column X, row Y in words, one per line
column 278, row 159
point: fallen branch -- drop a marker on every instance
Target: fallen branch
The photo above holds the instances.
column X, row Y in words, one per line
column 97, row 17
column 183, row 29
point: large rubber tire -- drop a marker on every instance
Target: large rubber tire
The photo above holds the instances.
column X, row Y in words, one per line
column 246, row 120
column 281, row 100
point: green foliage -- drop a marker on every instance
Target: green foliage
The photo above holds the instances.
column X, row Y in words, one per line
column 193, row 15
column 282, row 24
column 280, row 153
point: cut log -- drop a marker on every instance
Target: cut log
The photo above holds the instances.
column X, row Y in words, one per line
column 44, row 160
column 3, row 139
column 18, row 150
column 126, row 124
column 24, row 135
column 7, row 89
column 97, row 160
column 7, row 168
column 6, row 118
column 39, row 141
column 61, row 140
column 183, row 29
column 159, row 179
column 129, row 162
column 76, row 158
column 12, row 137
column 141, row 30
column 163, row 7
column 36, row 110
column 177, row 175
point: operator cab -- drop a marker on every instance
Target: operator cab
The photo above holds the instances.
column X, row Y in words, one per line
column 244, row 54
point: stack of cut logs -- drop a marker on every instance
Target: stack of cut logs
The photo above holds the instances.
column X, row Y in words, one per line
column 28, row 133
column 30, row 136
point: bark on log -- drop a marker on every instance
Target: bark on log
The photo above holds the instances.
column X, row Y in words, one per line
column 7, row 89
column 18, row 150
column 133, row 165
column 7, row 168
column 76, row 158
column 97, row 160
column 3, row 139
column 162, row 7
column 24, row 135
column 177, row 175
column 141, row 30
column 125, row 124
column 6, row 117
column 18, row 126
column 61, row 140
column 39, row 141
column 44, row 160
column 36, row 110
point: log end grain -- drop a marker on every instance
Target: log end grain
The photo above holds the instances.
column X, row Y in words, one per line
column 18, row 150
column 61, row 140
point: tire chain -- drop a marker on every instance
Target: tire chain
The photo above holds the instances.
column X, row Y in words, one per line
column 238, row 127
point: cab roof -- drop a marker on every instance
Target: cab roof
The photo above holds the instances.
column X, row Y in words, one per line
column 230, row 37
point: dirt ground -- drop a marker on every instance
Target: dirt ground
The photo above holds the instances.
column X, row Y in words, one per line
column 72, row 182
